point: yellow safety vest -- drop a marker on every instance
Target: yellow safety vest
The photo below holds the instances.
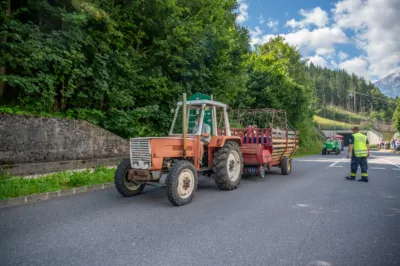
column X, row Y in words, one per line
column 360, row 145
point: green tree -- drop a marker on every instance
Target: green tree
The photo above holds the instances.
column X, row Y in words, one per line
column 120, row 64
column 396, row 116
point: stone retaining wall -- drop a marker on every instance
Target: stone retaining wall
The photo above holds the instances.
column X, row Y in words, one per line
column 33, row 145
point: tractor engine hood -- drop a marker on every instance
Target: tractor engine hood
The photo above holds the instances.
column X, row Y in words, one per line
column 149, row 153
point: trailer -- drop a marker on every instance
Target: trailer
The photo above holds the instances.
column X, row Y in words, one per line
column 264, row 148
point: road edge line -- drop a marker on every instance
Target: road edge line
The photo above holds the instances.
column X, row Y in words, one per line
column 52, row 195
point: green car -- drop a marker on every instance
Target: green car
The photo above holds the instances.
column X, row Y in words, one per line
column 331, row 146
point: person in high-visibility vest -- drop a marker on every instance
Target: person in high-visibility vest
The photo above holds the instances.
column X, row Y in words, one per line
column 359, row 152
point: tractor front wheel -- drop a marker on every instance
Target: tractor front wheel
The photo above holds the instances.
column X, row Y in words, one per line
column 181, row 183
column 286, row 166
column 126, row 187
column 228, row 166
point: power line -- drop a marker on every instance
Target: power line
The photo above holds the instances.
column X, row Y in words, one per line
column 390, row 101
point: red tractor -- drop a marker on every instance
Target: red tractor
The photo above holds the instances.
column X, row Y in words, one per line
column 176, row 161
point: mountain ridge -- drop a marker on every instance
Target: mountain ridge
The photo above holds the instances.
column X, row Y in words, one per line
column 390, row 85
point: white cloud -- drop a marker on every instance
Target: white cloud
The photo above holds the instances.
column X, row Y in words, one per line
column 333, row 64
column 320, row 41
column 243, row 14
column 318, row 60
column 272, row 24
column 260, row 39
column 317, row 17
column 356, row 65
column 377, row 32
column 342, row 55
column 255, row 33
column 327, row 52
column 261, row 19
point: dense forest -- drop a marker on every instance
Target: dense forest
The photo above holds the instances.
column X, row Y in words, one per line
column 123, row 64
column 350, row 92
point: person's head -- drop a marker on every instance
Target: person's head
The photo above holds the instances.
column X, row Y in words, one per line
column 356, row 129
column 198, row 118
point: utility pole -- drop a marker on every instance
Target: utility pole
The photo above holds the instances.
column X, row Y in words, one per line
column 354, row 104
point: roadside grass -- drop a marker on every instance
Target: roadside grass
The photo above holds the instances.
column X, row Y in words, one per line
column 337, row 110
column 301, row 152
column 339, row 114
column 17, row 186
column 326, row 121
column 328, row 124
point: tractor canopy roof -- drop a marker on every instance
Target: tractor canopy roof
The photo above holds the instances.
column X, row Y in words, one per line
column 209, row 103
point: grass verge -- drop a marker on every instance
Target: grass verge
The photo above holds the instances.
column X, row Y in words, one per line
column 328, row 124
column 17, row 186
column 301, row 152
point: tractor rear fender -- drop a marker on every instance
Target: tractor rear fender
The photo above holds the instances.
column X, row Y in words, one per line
column 219, row 141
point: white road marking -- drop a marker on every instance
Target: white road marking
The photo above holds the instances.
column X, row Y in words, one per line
column 337, row 162
column 396, row 169
column 377, row 168
column 337, row 166
column 388, row 162
column 316, row 160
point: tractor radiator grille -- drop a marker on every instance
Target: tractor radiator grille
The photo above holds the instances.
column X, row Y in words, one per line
column 140, row 153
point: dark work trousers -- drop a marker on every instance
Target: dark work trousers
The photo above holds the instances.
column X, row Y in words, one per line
column 359, row 161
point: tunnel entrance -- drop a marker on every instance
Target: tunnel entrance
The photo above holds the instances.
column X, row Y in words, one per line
column 346, row 137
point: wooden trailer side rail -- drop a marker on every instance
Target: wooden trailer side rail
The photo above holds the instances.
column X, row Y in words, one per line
column 284, row 143
column 251, row 135
column 279, row 142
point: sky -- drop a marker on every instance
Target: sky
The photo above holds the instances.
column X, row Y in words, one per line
column 360, row 36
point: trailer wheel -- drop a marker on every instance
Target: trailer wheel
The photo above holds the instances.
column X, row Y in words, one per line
column 228, row 166
column 181, row 183
column 286, row 166
column 124, row 186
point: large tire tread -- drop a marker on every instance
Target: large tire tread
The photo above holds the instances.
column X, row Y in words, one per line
column 172, row 179
column 119, row 180
column 220, row 172
column 284, row 166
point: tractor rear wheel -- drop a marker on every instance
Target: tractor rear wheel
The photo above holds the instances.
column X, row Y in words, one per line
column 181, row 183
column 286, row 166
column 228, row 166
column 126, row 187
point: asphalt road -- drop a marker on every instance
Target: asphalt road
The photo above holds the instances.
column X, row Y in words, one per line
column 312, row 217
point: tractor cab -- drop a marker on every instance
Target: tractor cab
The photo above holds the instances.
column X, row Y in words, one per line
column 184, row 122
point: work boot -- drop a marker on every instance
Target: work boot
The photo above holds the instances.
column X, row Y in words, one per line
column 363, row 179
column 350, row 177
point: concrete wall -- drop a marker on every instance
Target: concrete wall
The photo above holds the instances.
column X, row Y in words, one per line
column 37, row 140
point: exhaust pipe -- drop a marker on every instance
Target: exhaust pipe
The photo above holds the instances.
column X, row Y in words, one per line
column 184, row 124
